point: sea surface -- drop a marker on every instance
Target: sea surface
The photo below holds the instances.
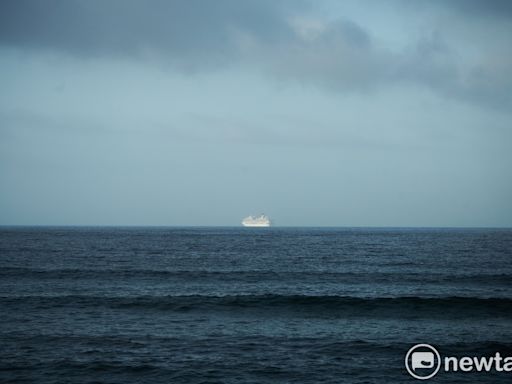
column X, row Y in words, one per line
column 249, row 305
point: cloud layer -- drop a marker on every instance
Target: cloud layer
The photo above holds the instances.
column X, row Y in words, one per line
column 460, row 51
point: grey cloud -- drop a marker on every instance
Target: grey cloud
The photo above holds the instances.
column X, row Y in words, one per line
column 187, row 30
column 341, row 57
column 501, row 9
column 195, row 34
column 344, row 57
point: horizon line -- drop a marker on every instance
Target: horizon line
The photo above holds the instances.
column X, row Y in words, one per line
column 250, row 228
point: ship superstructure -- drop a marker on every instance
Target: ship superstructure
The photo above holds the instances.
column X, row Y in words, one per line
column 256, row 221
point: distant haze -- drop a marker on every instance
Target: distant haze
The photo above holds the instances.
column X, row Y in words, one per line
column 317, row 113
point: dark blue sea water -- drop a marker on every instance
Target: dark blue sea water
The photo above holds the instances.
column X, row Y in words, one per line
column 228, row 305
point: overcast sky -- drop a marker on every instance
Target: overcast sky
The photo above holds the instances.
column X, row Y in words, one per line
column 321, row 113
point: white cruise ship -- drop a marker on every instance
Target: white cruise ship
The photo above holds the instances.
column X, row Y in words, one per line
column 256, row 221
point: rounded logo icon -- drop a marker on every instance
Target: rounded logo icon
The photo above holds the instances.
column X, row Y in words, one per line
column 422, row 361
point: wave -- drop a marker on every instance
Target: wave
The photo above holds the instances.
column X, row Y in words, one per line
column 313, row 344
column 342, row 306
column 248, row 276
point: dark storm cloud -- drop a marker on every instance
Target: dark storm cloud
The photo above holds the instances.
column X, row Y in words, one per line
column 190, row 30
column 475, row 8
column 342, row 55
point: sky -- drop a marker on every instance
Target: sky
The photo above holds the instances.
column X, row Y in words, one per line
column 196, row 112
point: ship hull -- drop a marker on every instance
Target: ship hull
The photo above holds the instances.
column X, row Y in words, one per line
column 256, row 225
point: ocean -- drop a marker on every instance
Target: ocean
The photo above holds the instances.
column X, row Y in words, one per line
column 249, row 305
